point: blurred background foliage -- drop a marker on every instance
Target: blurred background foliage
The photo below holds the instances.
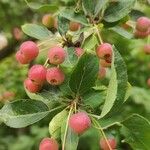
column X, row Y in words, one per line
column 15, row 13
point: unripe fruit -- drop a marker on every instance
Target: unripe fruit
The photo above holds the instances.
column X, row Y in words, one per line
column 146, row 49
column 31, row 86
column 56, row 55
column 48, row 144
column 140, row 34
column 21, row 58
column 148, row 82
column 74, row 26
column 79, row 122
column 55, row 76
column 37, row 73
column 48, row 20
column 29, row 49
column 102, row 73
column 111, row 141
column 143, row 24
column 104, row 51
column 79, row 51
column 103, row 63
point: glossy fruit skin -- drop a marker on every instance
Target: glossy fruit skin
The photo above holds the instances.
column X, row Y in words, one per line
column 56, row 55
column 104, row 51
column 74, row 26
column 48, row 20
column 21, row 58
column 103, row 63
column 48, row 144
column 111, row 141
column 31, row 86
column 79, row 51
column 143, row 24
column 55, row 76
column 146, row 48
column 37, row 73
column 102, row 72
column 29, row 49
column 142, row 35
column 79, row 122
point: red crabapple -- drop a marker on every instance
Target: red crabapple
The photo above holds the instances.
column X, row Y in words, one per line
column 143, row 24
column 102, row 72
column 79, row 122
column 111, row 141
column 48, row 20
column 31, row 86
column 103, row 63
column 48, row 144
column 146, row 48
column 21, row 58
column 104, row 51
column 140, row 34
column 79, row 51
column 74, row 26
column 56, row 55
column 55, row 76
column 29, row 49
column 37, row 73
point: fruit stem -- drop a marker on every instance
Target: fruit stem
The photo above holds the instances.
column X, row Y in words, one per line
column 66, row 129
column 113, row 124
column 98, row 34
column 102, row 132
column 45, row 64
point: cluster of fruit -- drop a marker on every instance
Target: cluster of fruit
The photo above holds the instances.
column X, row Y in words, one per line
column 79, row 123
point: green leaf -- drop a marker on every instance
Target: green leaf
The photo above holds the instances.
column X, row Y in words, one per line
column 122, row 32
column 84, row 74
column 42, row 7
column 118, row 10
column 76, row 17
column 138, row 129
column 55, row 124
column 90, row 43
column 36, row 31
column 72, row 139
column 94, row 98
column 141, row 96
column 117, row 88
column 22, row 113
column 63, row 25
column 88, row 7
column 99, row 6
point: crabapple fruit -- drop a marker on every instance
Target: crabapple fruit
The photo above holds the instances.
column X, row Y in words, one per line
column 104, row 63
column 31, row 86
column 146, row 48
column 48, row 144
column 140, row 34
column 79, row 122
column 17, row 33
column 55, row 76
column 104, row 145
column 56, row 55
column 37, row 73
column 21, row 58
column 79, row 51
column 74, row 26
column 104, row 51
column 143, row 24
column 148, row 82
column 102, row 72
column 48, row 20
column 29, row 49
